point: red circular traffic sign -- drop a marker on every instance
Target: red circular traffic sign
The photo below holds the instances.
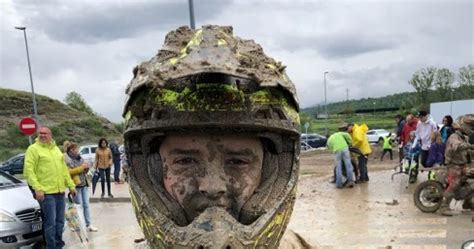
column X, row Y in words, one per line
column 28, row 126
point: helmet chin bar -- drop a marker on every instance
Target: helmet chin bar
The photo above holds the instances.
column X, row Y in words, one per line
column 214, row 227
column 164, row 222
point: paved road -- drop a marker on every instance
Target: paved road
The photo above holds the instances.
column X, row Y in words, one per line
column 325, row 216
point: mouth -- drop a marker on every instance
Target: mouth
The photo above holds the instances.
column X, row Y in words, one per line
column 203, row 207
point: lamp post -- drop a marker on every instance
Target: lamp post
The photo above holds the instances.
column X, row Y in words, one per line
column 35, row 112
column 325, row 105
column 191, row 13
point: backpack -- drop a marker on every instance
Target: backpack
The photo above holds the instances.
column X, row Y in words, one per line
column 114, row 149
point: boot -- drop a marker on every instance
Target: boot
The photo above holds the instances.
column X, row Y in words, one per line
column 412, row 178
column 445, row 210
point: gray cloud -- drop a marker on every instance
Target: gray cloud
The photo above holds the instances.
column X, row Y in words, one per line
column 92, row 22
column 335, row 46
column 370, row 47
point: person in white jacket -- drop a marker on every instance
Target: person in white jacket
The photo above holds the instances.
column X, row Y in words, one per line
column 425, row 127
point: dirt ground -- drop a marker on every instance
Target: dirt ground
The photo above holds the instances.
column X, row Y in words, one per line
column 364, row 216
column 320, row 162
column 326, row 217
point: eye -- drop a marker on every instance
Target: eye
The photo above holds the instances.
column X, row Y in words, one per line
column 236, row 162
column 185, row 161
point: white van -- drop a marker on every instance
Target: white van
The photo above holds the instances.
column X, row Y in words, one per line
column 88, row 153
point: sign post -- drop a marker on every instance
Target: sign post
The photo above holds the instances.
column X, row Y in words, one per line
column 306, row 126
column 28, row 127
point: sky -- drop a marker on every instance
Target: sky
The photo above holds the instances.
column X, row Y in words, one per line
column 370, row 47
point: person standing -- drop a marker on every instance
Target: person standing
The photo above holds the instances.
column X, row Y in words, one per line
column 339, row 143
column 359, row 138
column 447, row 128
column 426, row 126
column 436, row 153
column 387, row 146
column 103, row 161
column 78, row 170
column 456, row 158
column 114, row 148
column 409, row 126
column 48, row 175
column 400, row 120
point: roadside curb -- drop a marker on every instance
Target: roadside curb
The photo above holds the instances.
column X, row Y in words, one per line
column 116, row 199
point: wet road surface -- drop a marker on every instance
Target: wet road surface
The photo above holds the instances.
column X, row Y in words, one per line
column 362, row 217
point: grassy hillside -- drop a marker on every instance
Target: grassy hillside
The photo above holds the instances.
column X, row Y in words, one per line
column 65, row 122
column 406, row 100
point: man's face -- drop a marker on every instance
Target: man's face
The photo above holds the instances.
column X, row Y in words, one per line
column 44, row 135
column 201, row 171
column 423, row 118
column 349, row 128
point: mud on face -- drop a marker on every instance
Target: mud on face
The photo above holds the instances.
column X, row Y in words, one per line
column 201, row 171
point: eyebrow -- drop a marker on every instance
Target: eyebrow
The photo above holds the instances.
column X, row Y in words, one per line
column 243, row 152
column 183, row 151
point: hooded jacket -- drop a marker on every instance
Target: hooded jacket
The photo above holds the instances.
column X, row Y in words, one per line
column 359, row 138
column 423, row 133
column 45, row 169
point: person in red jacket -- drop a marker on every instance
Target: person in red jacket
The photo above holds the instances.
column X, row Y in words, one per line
column 410, row 125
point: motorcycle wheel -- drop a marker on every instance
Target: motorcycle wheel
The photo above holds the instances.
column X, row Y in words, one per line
column 428, row 196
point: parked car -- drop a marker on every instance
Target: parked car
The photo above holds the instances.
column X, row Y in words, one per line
column 314, row 140
column 14, row 165
column 377, row 135
column 20, row 214
column 305, row 146
column 88, row 152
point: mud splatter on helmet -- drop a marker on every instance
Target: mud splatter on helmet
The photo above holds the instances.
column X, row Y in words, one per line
column 207, row 80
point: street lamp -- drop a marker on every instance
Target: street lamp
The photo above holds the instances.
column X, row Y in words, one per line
column 35, row 112
column 191, row 13
column 325, row 104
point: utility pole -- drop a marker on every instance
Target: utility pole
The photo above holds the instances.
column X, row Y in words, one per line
column 325, row 105
column 347, row 100
column 191, row 14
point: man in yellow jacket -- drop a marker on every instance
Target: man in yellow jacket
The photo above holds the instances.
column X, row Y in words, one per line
column 48, row 175
column 360, row 141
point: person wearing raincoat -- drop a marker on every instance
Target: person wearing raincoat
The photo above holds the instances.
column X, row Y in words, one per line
column 360, row 141
column 48, row 175
column 78, row 170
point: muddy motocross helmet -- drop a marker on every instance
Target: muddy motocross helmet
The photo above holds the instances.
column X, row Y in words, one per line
column 208, row 80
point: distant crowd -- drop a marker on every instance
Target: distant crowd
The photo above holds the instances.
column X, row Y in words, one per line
column 419, row 142
column 46, row 174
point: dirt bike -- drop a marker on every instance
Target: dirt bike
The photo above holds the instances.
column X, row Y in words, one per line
column 428, row 195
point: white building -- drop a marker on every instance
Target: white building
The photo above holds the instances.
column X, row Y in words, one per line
column 454, row 108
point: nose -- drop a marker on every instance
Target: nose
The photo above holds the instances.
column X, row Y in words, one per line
column 213, row 184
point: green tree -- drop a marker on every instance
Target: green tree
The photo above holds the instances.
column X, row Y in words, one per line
column 443, row 82
column 75, row 101
column 466, row 80
column 422, row 81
